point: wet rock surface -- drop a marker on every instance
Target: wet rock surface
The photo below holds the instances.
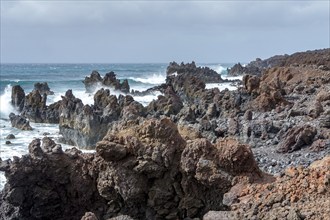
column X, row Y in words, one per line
column 10, row 136
column 33, row 105
column 17, row 97
column 95, row 80
column 19, row 122
column 43, row 88
column 85, row 125
column 205, row 74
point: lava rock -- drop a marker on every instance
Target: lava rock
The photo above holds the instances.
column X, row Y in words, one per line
column 18, row 97
column 10, row 136
column 19, row 122
column 296, row 138
column 43, row 88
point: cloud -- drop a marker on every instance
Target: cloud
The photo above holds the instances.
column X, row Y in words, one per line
column 152, row 31
column 166, row 13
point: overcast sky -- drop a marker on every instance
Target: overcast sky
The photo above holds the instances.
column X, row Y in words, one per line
column 61, row 31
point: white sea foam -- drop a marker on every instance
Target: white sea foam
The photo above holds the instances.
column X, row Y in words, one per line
column 218, row 68
column 19, row 145
column 174, row 74
column 145, row 100
column 232, row 77
column 221, row 86
column 86, row 98
column 5, row 107
column 154, row 79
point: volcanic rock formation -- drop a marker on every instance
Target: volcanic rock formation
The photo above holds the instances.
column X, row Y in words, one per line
column 95, row 80
column 142, row 169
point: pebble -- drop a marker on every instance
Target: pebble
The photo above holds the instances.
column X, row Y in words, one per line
column 10, row 136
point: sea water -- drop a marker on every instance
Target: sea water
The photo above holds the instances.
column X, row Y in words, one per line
column 60, row 78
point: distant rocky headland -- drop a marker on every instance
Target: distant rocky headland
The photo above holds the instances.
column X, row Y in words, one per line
column 259, row 152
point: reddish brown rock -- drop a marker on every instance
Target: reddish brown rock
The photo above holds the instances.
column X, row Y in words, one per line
column 301, row 193
column 297, row 138
column 251, row 83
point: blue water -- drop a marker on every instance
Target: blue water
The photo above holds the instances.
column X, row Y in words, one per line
column 71, row 75
column 60, row 78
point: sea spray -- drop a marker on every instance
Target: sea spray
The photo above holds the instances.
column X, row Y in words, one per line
column 219, row 69
column 5, row 103
column 60, row 78
column 154, row 79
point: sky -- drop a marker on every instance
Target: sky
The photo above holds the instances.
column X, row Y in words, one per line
column 59, row 31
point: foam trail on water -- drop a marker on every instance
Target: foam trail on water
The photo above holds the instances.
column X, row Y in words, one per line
column 5, row 106
column 232, row 77
column 145, row 100
column 154, row 79
column 221, row 86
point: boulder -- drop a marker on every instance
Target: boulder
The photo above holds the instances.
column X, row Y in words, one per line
column 296, row 138
column 19, row 122
column 84, row 125
column 205, row 74
column 167, row 104
column 325, row 119
column 236, row 70
column 142, row 168
column 80, row 124
column 95, row 80
column 298, row 193
column 89, row 216
column 121, row 217
column 10, row 136
column 323, row 96
column 133, row 111
column 33, row 106
column 111, row 81
column 251, row 83
column 221, row 215
column 17, row 97
column 35, row 103
column 43, row 88
column 92, row 81
column 43, row 185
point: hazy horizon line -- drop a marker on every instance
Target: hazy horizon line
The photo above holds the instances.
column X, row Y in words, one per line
column 121, row 62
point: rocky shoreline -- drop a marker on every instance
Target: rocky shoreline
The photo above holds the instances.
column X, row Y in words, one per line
column 191, row 153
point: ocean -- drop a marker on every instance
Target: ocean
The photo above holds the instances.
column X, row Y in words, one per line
column 60, row 78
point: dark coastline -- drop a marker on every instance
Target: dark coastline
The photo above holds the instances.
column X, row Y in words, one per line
column 193, row 152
